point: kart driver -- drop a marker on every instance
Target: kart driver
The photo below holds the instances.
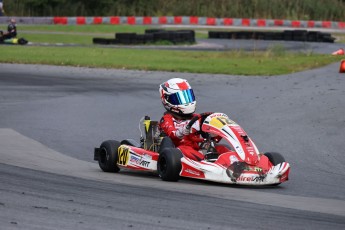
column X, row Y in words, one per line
column 11, row 30
column 178, row 99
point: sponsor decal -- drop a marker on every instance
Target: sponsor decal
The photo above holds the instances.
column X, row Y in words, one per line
column 175, row 110
column 218, row 115
column 239, row 150
column 144, row 163
column 258, row 169
column 284, row 177
column 250, row 149
column 239, row 130
column 251, row 179
column 123, row 155
column 139, row 161
column 259, row 178
column 135, row 159
column 192, row 172
column 244, row 178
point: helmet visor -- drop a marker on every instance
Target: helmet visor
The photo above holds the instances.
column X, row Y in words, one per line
column 182, row 97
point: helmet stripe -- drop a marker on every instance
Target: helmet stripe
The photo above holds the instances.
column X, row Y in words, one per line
column 190, row 95
column 179, row 99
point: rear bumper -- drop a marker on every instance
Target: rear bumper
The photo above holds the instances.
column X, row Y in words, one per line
column 96, row 154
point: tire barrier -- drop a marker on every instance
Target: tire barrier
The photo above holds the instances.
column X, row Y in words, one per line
column 286, row 35
column 150, row 36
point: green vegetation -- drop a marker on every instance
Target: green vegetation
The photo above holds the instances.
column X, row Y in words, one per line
column 277, row 9
column 272, row 62
column 96, row 29
column 340, row 38
column 59, row 38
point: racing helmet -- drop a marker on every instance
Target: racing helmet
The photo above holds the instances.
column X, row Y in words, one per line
column 177, row 96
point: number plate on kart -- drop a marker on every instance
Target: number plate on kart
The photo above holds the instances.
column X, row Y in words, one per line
column 123, row 155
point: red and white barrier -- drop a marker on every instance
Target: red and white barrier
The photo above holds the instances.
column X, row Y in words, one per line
column 178, row 20
column 188, row 20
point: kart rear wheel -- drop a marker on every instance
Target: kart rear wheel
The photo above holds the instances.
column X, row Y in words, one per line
column 169, row 164
column 275, row 158
column 108, row 156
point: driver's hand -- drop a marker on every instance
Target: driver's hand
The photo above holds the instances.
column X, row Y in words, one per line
column 183, row 131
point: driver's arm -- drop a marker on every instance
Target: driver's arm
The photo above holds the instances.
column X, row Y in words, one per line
column 167, row 126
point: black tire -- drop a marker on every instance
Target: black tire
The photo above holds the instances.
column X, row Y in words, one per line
column 166, row 143
column 152, row 31
column 213, row 34
column 22, row 41
column 102, row 41
column 169, row 164
column 108, row 156
column 275, row 158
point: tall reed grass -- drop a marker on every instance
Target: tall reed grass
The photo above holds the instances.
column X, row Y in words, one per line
column 275, row 9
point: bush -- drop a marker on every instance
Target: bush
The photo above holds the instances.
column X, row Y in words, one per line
column 283, row 9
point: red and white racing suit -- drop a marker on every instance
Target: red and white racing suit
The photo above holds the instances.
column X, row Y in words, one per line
column 188, row 144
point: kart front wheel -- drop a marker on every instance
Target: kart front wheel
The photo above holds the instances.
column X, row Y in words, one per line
column 108, row 156
column 169, row 164
column 275, row 158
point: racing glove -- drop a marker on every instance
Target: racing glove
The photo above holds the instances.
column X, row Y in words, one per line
column 183, row 131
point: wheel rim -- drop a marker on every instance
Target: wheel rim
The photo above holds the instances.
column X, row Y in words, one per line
column 104, row 156
column 162, row 166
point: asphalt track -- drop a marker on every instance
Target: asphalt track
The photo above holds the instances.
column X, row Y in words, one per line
column 51, row 118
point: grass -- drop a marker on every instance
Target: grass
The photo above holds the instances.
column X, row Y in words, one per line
column 60, row 38
column 237, row 62
column 73, row 34
column 82, row 34
column 275, row 61
column 340, row 38
column 85, row 28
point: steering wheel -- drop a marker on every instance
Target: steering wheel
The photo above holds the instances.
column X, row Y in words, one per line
column 202, row 118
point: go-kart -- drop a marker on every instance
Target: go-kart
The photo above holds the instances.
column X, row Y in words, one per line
column 12, row 41
column 233, row 160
